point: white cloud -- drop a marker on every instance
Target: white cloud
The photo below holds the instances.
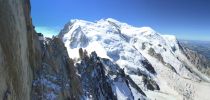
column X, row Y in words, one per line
column 47, row 31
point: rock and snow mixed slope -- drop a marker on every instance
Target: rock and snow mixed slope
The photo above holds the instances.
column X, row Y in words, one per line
column 156, row 63
column 104, row 80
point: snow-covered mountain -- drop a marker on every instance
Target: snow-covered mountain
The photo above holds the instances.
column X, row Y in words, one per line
column 156, row 64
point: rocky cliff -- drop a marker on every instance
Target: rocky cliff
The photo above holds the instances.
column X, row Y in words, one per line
column 32, row 68
column 16, row 51
column 55, row 78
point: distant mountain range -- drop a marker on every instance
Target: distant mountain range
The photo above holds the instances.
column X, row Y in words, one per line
column 202, row 47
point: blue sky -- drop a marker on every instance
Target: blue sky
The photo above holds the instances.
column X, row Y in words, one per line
column 187, row 19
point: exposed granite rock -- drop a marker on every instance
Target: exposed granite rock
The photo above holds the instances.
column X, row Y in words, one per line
column 148, row 66
column 94, row 81
column 100, row 77
column 31, row 67
column 150, row 84
column 15, row 50
column 158, row 56
column 55, row 79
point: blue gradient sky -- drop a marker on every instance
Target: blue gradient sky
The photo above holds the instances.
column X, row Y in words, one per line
column 187, row 19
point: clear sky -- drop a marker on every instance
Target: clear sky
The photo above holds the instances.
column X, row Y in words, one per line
column 187, row 19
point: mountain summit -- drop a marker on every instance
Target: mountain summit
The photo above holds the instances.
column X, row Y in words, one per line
column 156, row 63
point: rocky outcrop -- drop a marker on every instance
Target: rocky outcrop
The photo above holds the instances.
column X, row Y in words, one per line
column 101, row 79
column 16, row 58
column 150, row 84
column 55, row 79
column 148, row 66
column 94, row 82
column 159, row 57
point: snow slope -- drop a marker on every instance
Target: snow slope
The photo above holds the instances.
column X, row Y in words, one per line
column 140, row 52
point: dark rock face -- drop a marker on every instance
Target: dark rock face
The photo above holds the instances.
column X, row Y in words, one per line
column 171, row 67
column 133, row 84
column 143, row 46
column 100, row 78
column 94, row 82
column 55, row 79
column 148, row 66
column 31, row 69
column 15, row 50
column 65, row 29
column 159, row 57
column 150, row 84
